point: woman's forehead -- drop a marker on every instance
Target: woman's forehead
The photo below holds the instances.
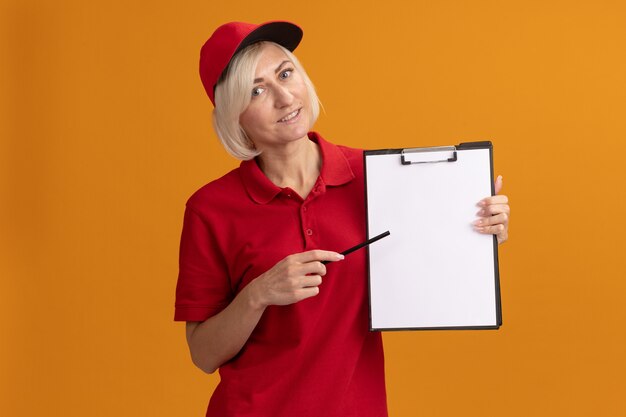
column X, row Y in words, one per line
column 271, row 58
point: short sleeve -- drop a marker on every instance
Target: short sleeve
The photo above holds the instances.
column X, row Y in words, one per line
column 203, row 288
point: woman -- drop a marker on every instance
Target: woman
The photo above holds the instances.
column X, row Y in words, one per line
column 288, row 333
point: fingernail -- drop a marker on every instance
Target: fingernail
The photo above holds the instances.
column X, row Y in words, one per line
column 481, row 203
column 500, row 177
column 481, row 212
column 477, row 222
column 340, row 257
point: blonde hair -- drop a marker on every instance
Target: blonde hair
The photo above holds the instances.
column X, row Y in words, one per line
column 233, row 94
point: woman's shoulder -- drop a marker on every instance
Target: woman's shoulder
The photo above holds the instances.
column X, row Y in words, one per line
column 218, row 192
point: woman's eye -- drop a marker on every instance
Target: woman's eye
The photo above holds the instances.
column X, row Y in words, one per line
column 285, row 74
column 256, row 91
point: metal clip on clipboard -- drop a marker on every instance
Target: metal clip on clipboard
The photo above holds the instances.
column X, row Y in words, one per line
column 428, row 155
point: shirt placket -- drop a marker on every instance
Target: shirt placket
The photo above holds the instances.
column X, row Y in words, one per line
column 308, row 218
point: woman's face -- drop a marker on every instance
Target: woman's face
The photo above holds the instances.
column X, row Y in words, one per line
column 279, row 111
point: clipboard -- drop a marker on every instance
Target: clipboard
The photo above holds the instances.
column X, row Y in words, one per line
column 434, row 272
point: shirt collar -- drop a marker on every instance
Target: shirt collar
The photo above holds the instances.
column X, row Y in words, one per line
column 335, row 171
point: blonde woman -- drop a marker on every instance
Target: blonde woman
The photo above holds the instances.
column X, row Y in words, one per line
column 266, row 299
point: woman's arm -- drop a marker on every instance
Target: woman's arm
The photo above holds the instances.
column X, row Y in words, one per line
column 220, row 337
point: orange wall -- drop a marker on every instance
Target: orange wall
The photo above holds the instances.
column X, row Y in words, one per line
column 105, row 131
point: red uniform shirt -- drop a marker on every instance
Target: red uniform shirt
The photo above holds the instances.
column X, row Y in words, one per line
column 314, row 358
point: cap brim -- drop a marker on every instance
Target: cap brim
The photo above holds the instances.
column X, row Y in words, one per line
column 283, row 33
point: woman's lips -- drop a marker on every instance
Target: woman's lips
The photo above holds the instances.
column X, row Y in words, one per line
column 291, row 117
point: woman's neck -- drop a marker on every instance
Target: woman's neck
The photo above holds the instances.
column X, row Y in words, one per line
column 296, row 166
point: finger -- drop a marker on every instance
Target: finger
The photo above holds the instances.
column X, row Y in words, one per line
column 315, row 267
column 494, row 209
column 498, row 229
column 498, row 184
column 501, row 218
column 311, row 281
column 308, row 292
column 496, row 199
column 318, row 255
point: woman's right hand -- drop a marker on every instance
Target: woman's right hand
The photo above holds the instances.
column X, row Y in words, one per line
column 293, row 279
column 220, row 337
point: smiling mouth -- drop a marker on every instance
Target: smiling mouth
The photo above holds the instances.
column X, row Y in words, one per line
column 290, row 116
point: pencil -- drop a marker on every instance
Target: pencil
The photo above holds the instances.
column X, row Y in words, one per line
column 363, row 244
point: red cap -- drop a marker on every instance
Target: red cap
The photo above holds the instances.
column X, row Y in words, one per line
column 232, row 37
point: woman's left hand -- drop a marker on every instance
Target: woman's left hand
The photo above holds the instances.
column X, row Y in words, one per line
column 494, row 214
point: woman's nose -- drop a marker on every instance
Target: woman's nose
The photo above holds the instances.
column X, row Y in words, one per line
column 283, row 96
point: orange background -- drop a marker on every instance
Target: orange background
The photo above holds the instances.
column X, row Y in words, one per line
column 105, row 132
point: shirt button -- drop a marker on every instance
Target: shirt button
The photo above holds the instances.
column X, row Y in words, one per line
column 304, row 208
column 309, row 232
